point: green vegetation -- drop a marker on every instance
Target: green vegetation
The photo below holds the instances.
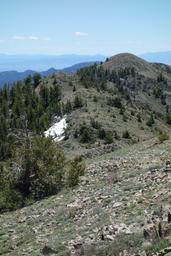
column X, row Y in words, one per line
column 161, row 78
column 150, row 121
column 114, row 102
column 86, row 134
column 76, row 168
column 126, row 135
column 36, row 79
column 157, row 247
column 168, row 118
column 162, row 136
column 108, row 137
column 96, row 76
column 78, row 102
column 139, row 118
column 31, row 166
column 22, row 108
column 36, row 170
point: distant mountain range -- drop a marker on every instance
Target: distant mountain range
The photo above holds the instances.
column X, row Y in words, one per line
column 8, row 77
column 22, row 62
column 160, row 57
column 25, row 65
column 43, row 62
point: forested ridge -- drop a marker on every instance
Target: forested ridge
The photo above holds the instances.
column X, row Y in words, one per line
column 31, row 166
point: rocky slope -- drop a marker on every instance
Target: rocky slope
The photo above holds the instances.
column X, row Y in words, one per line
column 114, row 203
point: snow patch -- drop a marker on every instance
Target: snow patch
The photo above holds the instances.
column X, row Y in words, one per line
column 56, row 131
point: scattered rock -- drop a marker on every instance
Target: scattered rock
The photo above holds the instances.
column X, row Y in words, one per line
column 109, row 237
column 117, row 204
column 168, row 254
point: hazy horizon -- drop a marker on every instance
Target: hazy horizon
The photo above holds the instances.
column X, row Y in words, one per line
column 77, row 54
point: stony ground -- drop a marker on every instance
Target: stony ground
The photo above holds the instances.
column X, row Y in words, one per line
column 117, row 196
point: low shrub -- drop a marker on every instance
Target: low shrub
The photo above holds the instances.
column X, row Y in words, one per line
column 150, row 121
column 108, row 137
column 162, row 136
column 86, row 134
column 76, row 169
column 126, row 135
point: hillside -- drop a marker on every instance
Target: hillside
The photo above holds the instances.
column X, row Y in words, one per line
column 98, row 186
column 124, row 60
column 141, row 66
column 146, row 79
column 103, row 215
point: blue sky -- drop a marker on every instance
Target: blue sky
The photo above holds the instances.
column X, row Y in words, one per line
column 84, row 26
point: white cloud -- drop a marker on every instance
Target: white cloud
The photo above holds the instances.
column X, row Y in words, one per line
column 33, row 38
column 81, row 33
column 46, row 38
column 134, row 42
column 19, row 37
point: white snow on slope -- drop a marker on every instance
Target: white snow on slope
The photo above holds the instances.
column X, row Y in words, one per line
column 56, row 131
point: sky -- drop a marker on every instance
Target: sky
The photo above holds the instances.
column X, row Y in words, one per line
column 84, row 26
